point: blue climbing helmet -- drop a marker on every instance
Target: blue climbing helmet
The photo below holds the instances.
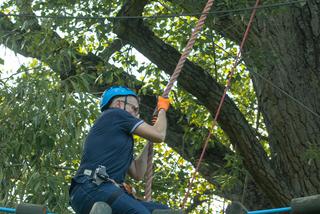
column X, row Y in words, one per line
column 112, row 92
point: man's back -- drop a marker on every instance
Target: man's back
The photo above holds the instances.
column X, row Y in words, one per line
column 110, row 143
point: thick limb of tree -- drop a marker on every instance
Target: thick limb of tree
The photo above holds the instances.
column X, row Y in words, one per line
column 208, row 92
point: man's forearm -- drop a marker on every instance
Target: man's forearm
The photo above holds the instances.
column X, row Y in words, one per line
column 161, row 123
column 159, row 129
column 141, row 162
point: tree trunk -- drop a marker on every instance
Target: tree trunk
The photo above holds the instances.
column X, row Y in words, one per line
column 287, row 82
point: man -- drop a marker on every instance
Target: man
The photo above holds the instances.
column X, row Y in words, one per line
column 108, row 154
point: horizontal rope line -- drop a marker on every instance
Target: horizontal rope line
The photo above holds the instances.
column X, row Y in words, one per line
column 154, row 17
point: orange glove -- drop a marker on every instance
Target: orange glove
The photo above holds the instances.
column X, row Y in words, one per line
column 163, row 103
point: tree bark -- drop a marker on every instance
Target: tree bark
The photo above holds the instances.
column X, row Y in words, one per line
column 290, row 105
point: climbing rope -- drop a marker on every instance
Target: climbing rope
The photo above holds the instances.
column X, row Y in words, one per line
column 221, row 101
column 173, row 78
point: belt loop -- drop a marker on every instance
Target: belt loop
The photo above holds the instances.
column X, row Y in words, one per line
column 87, row 172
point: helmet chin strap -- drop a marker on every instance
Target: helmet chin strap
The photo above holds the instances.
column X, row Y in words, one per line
column 125, row 102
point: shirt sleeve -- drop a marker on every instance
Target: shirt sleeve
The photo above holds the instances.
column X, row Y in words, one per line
column 126, row 121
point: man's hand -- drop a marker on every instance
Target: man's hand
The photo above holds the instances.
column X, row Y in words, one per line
column 163, row 103
column 156, row 132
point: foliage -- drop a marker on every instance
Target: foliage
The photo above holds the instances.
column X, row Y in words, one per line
column 42, row 132
column 49, row 128
column 44, row 149
column 45, row 118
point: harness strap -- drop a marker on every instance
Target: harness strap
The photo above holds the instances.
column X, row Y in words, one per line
column 100, row 176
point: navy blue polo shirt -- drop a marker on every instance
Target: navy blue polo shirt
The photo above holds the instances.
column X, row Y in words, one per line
column 110, row 143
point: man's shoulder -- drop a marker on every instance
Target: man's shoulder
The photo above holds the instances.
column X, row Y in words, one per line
column 119, row 117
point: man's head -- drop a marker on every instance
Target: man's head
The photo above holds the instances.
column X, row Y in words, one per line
column 120, row 97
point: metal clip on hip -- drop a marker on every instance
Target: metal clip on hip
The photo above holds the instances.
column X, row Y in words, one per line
column 100, row 175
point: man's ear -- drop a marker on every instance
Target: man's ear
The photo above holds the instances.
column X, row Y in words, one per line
column 116, row 104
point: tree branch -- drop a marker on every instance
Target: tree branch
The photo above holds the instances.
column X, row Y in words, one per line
column 208, row 92
column 53, row 49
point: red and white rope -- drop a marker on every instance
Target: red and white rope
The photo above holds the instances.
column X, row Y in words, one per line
column 221, row 101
